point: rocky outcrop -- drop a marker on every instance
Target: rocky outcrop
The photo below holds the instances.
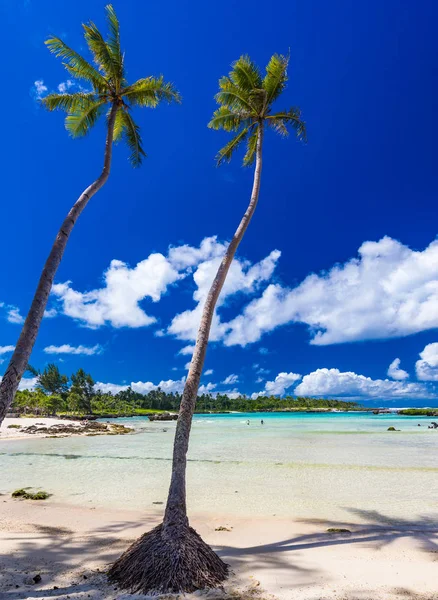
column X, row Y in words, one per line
column 163, row 417
column 85, row 427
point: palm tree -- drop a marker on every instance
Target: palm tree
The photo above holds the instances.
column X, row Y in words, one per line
column 106, row 91
column 172, row 557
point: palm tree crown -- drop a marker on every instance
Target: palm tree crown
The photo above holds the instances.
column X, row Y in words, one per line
column 108, row 87
column 246, row 100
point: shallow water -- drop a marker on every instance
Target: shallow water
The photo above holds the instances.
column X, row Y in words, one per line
column 300, row 465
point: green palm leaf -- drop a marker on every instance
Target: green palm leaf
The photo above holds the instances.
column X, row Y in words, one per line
column 246, row 74
column 76, row 65
column 233, row 97
column 290, row 117
column 251, row 147
column 100, row 51
column 81, row 121
column 228, row 150
column 68, row 102
column 132, row 137
column 276, row 76
column 119, row 125
column 224, row 118
column 113, row 41
column 150, row 91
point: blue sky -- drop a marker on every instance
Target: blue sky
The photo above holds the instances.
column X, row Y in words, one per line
column 338, row 274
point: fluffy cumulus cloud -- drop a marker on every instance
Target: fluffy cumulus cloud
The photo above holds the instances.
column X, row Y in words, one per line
column 334, row 383
column 231, row 379
column 388, row 291
column 427, row 367
column 208, row 372
column 143, row 387
column 187, row 350
column 39, row 89
column 6, row 349
column 279, row 385
column 27, row 383
column 80, row 350
column 395, row 372
column 14, row 315
column 243, row 278
column 117, row 303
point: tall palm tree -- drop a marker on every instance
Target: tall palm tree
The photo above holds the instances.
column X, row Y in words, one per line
column 172, row 557
column 107, row 90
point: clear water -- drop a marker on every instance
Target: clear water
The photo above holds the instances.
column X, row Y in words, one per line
column 299, row 465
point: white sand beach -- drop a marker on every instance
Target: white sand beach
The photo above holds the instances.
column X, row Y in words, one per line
column 13, row 433
column 71, row 547
column 277, row 489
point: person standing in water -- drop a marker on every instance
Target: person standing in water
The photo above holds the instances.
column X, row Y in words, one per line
column 261, row 422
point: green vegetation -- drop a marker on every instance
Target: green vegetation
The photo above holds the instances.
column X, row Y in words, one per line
column 23, row 493
column 337, row 530
column 14, row 426
column 419, row 412
column 58, row 394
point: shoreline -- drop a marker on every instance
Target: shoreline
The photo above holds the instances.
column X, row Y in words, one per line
column 71, row 547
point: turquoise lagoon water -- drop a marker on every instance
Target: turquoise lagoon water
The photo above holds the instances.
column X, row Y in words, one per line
column 304, row 465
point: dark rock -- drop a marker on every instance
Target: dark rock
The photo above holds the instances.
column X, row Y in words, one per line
column 162, row 417
column 392, row 429
column 37, row 578
column 337, row 530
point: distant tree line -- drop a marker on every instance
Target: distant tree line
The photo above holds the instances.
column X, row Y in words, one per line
column 56, row 393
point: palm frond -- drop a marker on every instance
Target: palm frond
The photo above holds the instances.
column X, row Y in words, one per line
column 278, row 126
column 233, row 97
column 246, row 74
column 224, row 118
column 291, row 117
column 119, row 125
column 100, row 51
column 68, row 102
column 228, row 150
column 75, row 64
column 150, row 91
column 276, row 76
column 113, row 41
column 80, row 122
column 132, row 137
column 251, row 147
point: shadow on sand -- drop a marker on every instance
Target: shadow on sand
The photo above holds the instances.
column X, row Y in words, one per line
column 55, row 550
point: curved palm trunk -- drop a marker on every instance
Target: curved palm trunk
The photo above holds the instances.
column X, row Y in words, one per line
column 173, row 557
column 176, row 511
column 20, row 358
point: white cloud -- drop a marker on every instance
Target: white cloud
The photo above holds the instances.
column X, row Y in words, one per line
column 143, row 387
column 281, row 383
column 231, row 379
column 117, row 302
column 64, row 86
column 50, row 313
column 187, row 350
column 334, row 383
column 395, row 372
column 389, row 291
column 427, row 367
column 14, row 315
column 67, row 349
column 263, row 351
column 187, row 366
column 206, row 388
column 242, row 278
column 39, row 89
column 208, row 372
column 6, row 349
column 27, row 383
